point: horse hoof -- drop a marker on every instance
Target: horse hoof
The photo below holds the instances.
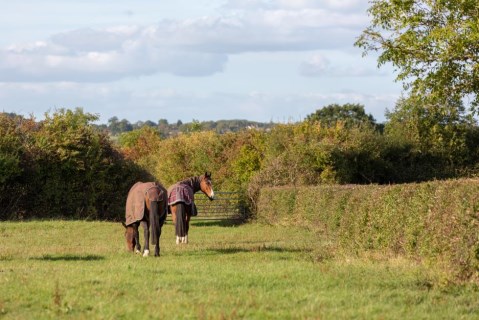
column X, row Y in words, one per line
column 137, row 251
column 184, row 239
column 146, row 253
column 177, row 240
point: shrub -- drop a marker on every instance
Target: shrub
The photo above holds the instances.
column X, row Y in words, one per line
column 435, row 222
column 12, row 157
column 62, row 167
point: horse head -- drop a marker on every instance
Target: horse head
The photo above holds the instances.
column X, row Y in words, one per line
column 206, row 186
column 130, row 236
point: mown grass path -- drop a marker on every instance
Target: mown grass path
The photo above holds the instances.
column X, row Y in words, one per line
column 80, row 270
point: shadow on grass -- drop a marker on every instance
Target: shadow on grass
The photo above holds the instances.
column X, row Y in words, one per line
column 260, row 248
column 215, row 223
column 90, row 257
column 6, row 258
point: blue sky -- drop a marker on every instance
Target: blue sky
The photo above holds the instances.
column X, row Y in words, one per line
column 188, row 59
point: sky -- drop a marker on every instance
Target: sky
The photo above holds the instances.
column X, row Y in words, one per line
column 187, row 60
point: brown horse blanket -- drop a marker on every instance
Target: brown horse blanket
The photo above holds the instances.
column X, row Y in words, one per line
column 135, row 202
column 184, row 191
column 180, row 193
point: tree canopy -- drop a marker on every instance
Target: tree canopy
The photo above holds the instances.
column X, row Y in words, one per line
column 349, row 114
column 433, row 44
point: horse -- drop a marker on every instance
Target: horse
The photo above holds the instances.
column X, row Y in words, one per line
column 181, row 202
column 146, row 205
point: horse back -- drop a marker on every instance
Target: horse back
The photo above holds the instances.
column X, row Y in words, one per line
column 139, row 198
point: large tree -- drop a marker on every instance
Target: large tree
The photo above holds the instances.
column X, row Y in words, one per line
column 350, row 114
column 433, row 44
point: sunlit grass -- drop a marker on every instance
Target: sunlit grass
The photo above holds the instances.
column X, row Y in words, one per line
column 74, row 269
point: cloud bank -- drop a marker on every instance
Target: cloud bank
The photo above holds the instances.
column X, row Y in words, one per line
column 190, row 47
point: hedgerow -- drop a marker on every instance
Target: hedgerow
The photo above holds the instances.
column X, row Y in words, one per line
column 61, row 167
column 434, row 222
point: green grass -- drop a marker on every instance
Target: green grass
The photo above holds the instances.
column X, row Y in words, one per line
column 80, row 270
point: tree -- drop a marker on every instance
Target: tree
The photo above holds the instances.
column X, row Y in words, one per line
column 113, row 125
column 139, row 142
column 350, row 114
column 434, row 46
column 431, row 129
column 117, row 127
column 124, row 126
column 150, row 123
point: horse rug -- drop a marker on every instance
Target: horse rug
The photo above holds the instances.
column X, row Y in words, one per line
column 181, row 192
column 135, row 202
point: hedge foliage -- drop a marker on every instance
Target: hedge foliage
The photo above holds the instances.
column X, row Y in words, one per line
column 61, row 167
column 64, row 166
column 436, row 222
column 233, row 158
column 306, row 153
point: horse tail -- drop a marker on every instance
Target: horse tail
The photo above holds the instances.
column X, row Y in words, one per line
column 180, row 219
column 154, row 221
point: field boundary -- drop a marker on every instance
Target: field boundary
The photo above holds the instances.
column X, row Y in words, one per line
column 434, row 222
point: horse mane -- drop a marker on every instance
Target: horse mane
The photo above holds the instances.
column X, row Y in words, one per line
column 193, row 182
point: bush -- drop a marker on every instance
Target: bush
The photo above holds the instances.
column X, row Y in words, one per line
column 12, row 156
column 62, row 167
column 186, row 155
column 435, row 222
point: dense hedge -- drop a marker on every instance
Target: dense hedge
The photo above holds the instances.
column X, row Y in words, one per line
column 61, row 167
column 435, row 222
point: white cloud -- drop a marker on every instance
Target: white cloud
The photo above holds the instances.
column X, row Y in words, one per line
column 189, row 47
column 320, row 66
column 84, row 40
column 124, row 57
column 343, row 5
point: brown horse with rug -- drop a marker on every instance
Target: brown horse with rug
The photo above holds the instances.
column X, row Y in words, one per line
column 181, row 202
column 146, row 204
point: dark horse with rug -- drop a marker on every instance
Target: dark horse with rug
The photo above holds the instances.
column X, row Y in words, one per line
column 181, row 202
column 146, row 204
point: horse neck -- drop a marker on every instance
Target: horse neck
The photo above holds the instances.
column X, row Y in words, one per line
column 194, row 183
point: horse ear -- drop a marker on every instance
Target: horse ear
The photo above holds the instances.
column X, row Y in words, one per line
column 208, row 174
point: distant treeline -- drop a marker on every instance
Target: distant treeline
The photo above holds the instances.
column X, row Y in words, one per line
column 166, row 129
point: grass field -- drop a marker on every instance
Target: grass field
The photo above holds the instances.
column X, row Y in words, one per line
column 80, row 270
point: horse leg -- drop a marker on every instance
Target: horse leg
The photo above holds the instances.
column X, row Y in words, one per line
column 180, row 223
column 146, row 233
column 187, row 226
column 137, row 238
column 154, row 221
column 173, row 218
column 157, row 246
